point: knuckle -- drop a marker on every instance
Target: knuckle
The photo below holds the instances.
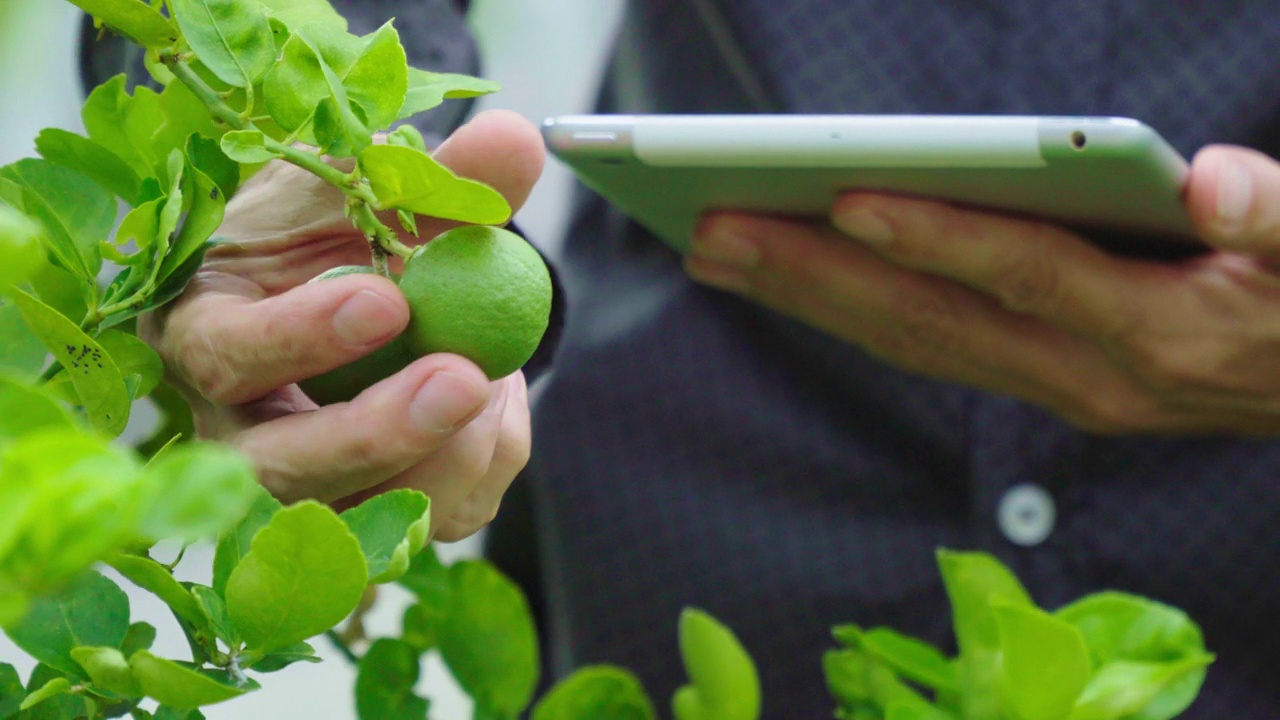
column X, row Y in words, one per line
column 922, row 334
column 205, row 367
column 1172, row 367
column 1029, row 284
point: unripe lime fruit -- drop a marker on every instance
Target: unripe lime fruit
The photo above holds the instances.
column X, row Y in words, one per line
column 481, row 292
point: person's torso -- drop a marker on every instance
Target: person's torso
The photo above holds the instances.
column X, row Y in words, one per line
column 695, row 449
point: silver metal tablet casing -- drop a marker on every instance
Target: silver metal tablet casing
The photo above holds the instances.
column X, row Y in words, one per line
column 1114, row 175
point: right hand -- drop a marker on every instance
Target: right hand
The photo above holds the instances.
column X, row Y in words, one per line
column 248, row 327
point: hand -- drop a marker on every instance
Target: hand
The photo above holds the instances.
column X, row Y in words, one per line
column 1113, row 345
column 248, row 327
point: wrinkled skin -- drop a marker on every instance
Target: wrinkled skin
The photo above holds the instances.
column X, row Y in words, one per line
column 249, row 327
column 1114, row 345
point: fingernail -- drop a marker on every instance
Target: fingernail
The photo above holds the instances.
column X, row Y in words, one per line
column 865, row 225
column 366, row 317
column 724, row 247
column 1235, row 196
column 444, row 402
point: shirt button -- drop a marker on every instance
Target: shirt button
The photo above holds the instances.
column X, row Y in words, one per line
column 1026, row 514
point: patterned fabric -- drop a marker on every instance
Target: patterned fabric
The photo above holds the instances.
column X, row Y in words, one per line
column 693, row 449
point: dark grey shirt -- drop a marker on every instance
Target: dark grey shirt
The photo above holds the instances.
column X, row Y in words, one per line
column 695, row 449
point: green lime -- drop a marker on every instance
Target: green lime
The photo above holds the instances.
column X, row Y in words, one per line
column 481, row 292
column 344, row 383
column 478, row 291
column 20, row 249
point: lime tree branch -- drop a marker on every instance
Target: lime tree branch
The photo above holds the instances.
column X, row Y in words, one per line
column 360, row 198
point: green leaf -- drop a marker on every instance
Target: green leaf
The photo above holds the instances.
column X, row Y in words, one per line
column 231, row 37
column 723, row 679
column 82, row 508
column 1126, row 690
column 21, row 245
column 11, row 691
column 488, row 639
column 76, row 213
column 304, row 573
column 247, row 146
column 133, row 19
column 597, row 692
column 339, row 130
column 21, row 351
column 61, row 290
column 327, row 66
column 140, row 227
column 1045, row 664
column 304, row 13
column 94, row 612
column 184, row 116
column 25, row 409
column 206, row 156
column 108, row 669
column 385, row 681
column 156, row 579
column 972, row 580
column 55, row 708
column 407, row 136
column 124, row 124
column 428, row 89
column 53, row 688
column 1121, row 627
column 860, row 683
column 204, row 214
column 429, row 581
column 175, row 418
column 91, row 159
column 179, row 686
column 405, row 178
column 195, row 491
column 215, row 609
column 234, row 544
column 392, row 528
column 135, row 359
column 371, row 70
column 283, row 658
column 140, row 636
column 94, row 374
column 910, row 657
column 168, row 713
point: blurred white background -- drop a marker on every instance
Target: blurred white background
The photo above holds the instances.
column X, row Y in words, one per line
column 548, row 56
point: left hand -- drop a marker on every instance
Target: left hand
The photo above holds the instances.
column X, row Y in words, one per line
column 1113, row 345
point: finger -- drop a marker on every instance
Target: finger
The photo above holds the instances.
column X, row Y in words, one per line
column 499, row 148
column 510, row 456
column 232, row 345
column 343, row 449
column 923, row 323
column 1233, row 197
column 451, row 473
column 1029, row 267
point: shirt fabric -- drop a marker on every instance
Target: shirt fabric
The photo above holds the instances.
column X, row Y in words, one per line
column 692, row 448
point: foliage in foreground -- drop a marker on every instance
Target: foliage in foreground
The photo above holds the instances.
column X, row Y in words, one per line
column 244, row 82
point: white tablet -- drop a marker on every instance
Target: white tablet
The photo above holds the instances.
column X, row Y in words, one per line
column 1113, row 178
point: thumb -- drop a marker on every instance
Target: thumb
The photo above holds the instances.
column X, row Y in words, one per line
column 1233, row 197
